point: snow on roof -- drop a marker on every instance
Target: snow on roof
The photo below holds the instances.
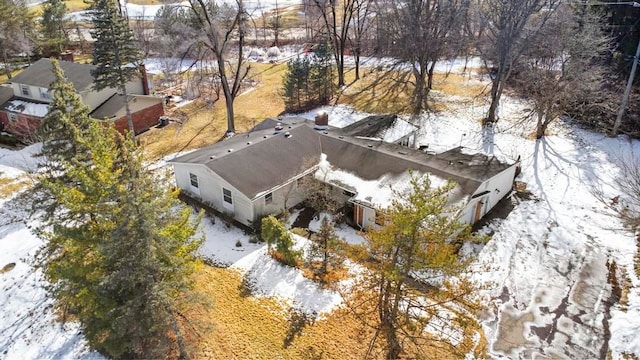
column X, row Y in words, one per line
column 377, row 193
column 398, row 130
column 27, row 108
column 339, row 115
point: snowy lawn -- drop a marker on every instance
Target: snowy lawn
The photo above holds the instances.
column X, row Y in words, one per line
column 546, row 272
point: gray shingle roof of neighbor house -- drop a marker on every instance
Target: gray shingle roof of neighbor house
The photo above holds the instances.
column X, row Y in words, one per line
column 261, row 160
column 6, row 93
column 39, row 74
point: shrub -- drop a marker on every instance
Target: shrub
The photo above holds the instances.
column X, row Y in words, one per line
column 275, row 234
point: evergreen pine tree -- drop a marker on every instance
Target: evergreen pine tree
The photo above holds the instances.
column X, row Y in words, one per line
column 418, row 245
column 324, row 246
column 119, row 249
column 114, row 52
column 54, row 38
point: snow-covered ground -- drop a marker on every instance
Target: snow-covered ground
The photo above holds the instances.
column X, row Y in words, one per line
column 544, row 272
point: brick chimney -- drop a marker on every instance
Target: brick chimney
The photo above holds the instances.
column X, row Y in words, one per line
column 66, row 56
column 322, row 121
column 145, row 79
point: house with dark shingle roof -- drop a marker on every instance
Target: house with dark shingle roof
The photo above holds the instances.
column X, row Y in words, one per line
column 258, row 173
column 22, row 112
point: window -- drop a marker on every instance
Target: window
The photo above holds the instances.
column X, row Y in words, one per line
column 268, row 198
column 226, row 194
column 13, row 117
column 24, row 89
column 194, row 180
column 44, row 93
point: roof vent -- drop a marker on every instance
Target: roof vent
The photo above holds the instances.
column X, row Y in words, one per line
column 230, row 150
column 370, row 146
column 248, row 142
column 278, row 129
column 450, row 162
column 212, row 157
column 265, row 136
column 287, row 135
column 460, row 162
column 340, row 137
column 325, row 132
column 403, row 153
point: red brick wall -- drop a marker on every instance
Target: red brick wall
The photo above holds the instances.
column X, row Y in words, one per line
column 25, row 127
column 142, row 120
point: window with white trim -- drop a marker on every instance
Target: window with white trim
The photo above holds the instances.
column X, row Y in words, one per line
column 226, row 196
column 24, row 89
column 194, row 180
column 44, row 93
column 268, row 199
column 13, row 117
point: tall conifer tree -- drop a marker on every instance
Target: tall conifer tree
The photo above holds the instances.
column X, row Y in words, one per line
column 114, row 52
column 53, row 28
column 119, row 248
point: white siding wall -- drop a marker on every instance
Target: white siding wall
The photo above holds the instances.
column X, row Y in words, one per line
column 369, row 218
column 289, row 193
column 35, row 92
column 503, row 182
column 135, row 87
column 210, row 186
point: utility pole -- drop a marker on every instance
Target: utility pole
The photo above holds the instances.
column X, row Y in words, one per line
column 625, row 98
column 627, row 91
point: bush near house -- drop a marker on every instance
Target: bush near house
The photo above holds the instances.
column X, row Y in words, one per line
column 275, row 234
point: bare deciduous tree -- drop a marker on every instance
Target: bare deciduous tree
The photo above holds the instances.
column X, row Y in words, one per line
column 222, row 28
column 337, row 18
column 420, row 34
column 558, row 74
column 510, row 27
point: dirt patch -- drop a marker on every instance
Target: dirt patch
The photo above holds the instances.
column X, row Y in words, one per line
column 511, row 330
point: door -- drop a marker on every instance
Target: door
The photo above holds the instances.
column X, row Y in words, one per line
column 478, row 213
column 358, row 214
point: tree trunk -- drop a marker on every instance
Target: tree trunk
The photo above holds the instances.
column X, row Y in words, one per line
column 496, row 93
column 7, row 68
column 356, row 56
column 132, row 130
column 430, row 76
column 420, row 91
column 228, row 95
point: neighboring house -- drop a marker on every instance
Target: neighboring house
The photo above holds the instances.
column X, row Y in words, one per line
column 254, row 174
column 22, row 112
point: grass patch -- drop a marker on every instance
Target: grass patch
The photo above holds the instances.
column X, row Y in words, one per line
column 207, row 124
column 9, row 186
column 459, row 85
column 72, row 6
column 238, row 325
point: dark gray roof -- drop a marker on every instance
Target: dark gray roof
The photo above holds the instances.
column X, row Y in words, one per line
column 271, row 159
column 374, row 126
column 109, row 108
column 6, row 93
column 39, row 74
column 260, row 160
column 270, row 123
